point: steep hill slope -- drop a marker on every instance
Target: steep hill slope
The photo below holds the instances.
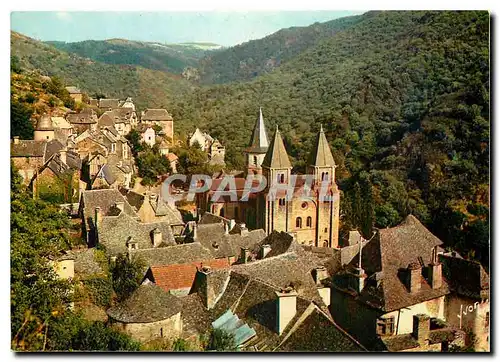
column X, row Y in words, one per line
column 404, row 99
column 149, row 88
column 255, row 57
column 166, row 57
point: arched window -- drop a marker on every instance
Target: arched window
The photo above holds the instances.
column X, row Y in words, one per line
column 298, row 222
column 282, row 178
column 281, row 202
column 322, row 176
column 309, row 222
column 325, row 243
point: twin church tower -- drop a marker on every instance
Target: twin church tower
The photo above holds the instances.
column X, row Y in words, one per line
column 312, row 219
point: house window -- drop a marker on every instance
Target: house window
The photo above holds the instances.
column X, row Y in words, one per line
column 309, row 222
column 304, row 205
column 113, row 147
column 385, row 326
column 325, row 244
column 298, row 222
column 326, row 230
column 324, row 176
column 281, row 202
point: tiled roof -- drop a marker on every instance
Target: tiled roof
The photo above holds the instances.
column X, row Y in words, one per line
column 28, row 148
column 276, row 156
column 108, row 103
column 177, row 254
column 44, row 123
column 321, row 154
column 259, row 142
column 148, row 303
column 390, row 252
column 61, row 122
column 116, row 231
column 319, row 334
column 73, row 90
column 84, row 117
column 156, row 115
column 180, row 276
column 86, row 264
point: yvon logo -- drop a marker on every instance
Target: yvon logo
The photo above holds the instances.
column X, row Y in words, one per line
column 468, row 309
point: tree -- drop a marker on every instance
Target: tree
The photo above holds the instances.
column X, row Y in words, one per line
column 220, row 340
column 126, row 275
column 20, row 121
column 192, row 160
column 15, row 65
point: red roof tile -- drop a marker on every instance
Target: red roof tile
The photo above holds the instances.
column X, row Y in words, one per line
column 179, row 276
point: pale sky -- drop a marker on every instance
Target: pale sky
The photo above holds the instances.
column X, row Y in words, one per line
column 224, row 28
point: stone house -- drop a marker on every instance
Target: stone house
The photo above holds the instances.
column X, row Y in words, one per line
column 468, row 306
column 211, row 146
column 108, row 104
column 151, row 207
column 128, row 103
column 63, row 130
column 83, row 121
column 313, row 220
column 149, row 313
column 148, row 135
column 29, row 155
column 58, row 180
column 75, row 93
column 392, row 295
column 159, row 117
column 122, row 119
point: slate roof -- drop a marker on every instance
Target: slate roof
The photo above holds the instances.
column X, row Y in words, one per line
column 60, row 122
column 319, row 334
column 181, row 276
column 156, row 115
column 28, row 148
column 86, row 116
column 176, row 254
column 44, row 124
column 390, row 252
column 123, row 114
column 53, row 146
column 321, row 154
column 259, row 142
column 148, row 303
column 220, row 244
column 466, row 277
column 105, row 199
column 73, row 90
column 276, row 156
column 108, row 103
column 280, row 243
column 407, row 341
column 116, row 231
column 85, row 263
column 106, row 174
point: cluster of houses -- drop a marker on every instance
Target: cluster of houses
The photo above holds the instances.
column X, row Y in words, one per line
column 283, row 281
column 83, row 151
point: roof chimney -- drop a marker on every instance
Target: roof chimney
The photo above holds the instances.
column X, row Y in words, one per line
column 245, row 253
column 286, row 308
column 97, row 218
column 226, row 228
column 195, row 231
column 319, row 274
column 421, row 327
column 232, row 223
column 264, row 250
column 206, row 287
column 414, row 277
column 435, row 270
column 243, row 229
column 157, row 237
column 16, row 140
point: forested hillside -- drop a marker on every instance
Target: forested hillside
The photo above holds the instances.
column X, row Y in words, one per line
column 256, row 57
column 149, row 88
column 172, row 58
column 404, row 98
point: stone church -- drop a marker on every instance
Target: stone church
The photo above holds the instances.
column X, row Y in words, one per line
column 310, row 218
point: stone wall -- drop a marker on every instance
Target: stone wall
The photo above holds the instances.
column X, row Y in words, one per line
column 167, row 328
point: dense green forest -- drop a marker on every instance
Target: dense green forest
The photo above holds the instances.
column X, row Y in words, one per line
column 256, row 57
column 403, row 98
column 170, row 58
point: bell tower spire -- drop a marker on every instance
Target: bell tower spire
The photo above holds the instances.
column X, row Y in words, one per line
column 258, row 147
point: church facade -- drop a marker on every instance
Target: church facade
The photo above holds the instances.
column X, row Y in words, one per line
column 306, row 206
